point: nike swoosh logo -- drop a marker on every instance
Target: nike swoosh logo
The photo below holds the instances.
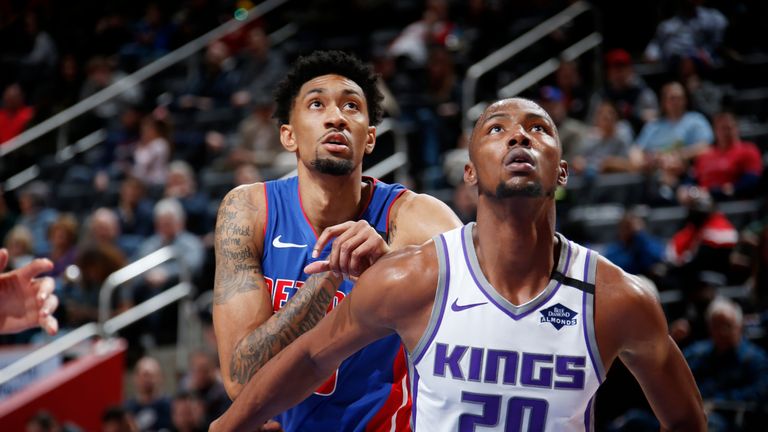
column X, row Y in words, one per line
column 278, row 244
column 456, row 307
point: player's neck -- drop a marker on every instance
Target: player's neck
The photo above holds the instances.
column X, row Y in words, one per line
column 515, row 247
column 329, row 200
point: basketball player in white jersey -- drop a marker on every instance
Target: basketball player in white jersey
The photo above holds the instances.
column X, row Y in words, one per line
column 509, row 326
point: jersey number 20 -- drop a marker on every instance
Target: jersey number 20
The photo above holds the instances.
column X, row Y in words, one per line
column 516, row 407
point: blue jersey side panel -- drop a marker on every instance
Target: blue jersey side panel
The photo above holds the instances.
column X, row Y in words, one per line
column 364, row 381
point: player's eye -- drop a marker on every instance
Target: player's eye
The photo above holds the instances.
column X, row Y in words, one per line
column 315, row 104
column 495, row 129
column 352, row 106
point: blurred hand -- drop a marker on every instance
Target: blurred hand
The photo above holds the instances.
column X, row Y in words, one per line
column 25, row 300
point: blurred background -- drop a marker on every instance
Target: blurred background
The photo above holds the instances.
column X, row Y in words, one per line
column 124, row 123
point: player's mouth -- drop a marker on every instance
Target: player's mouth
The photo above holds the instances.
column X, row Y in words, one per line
column 335, row 142
column 519, row 160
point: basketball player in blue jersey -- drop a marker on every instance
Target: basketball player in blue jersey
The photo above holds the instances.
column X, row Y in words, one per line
column 508, row 325
column 266, row 233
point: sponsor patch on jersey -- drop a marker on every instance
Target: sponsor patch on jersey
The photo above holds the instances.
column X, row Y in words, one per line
column 559, row 316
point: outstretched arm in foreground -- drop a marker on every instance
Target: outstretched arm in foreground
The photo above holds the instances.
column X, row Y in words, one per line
column 25, row 300
column 631, row 324
column 387, row 298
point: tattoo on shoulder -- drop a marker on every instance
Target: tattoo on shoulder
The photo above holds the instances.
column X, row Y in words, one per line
column 305, row 309
column 237, row 264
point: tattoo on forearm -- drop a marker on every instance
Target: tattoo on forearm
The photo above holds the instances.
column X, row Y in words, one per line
column 307, row 307
column 237, row 266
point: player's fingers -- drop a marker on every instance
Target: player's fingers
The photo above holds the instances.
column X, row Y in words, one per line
column 49, row 306
column 327, row 235
column 49, row 324
column 346, row 249
column 317, row 267
column 364, row 256
column 3, row 258
column 37, row 266
column 271, row 426
column 43, row 288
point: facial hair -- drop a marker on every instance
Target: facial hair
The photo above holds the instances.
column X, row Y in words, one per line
column 528, row 190
column 334, row 167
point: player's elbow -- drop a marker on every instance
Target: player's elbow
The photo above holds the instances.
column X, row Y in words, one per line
column 692, row 421
column 233, row 388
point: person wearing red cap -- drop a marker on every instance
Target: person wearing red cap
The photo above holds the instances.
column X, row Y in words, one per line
column 635, row 100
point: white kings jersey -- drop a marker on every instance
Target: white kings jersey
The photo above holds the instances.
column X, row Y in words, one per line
column 485, row 364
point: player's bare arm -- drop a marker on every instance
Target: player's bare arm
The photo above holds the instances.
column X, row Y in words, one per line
column 394, row 295
column 631, row 325
column 414, row 219
column 248, row 333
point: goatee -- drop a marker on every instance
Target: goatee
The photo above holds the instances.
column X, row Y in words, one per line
column 333, row 167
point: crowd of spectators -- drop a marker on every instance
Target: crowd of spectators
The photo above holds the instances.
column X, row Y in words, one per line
column 174, row 146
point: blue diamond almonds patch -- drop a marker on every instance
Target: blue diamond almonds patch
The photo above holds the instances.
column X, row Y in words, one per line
column 559, row 316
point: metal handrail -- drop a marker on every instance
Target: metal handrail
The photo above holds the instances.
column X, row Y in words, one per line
column 511, row 49
column 107, row 328
column 543, row 70
column 134, row 79
column 127, row 273
column 396, row 162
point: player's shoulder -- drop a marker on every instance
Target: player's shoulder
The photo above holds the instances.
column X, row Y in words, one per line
column 620, row 289
column 245, row 197
column 409, row 263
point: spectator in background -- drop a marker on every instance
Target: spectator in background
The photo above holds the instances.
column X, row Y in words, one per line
column 150, row 406
column 261, row 68
column 116, row 154
column 731, row 168
column 694, row 31
column 19, row 243
column 575, row 93
column 636, row 250
column 8, row 215
column 688, row 318
column 62, row 236
column 187, row 413
column 666, row 145
column 44, row 421
column 204, row 381
column 212, row 82
column 706, row 240
column 103, row 228
column 257, row 140
column 39, row 63
column 605, row 148
column 434, row 27
column 100, row 74
column 182, row 186
column 134, row 208
column 36, row 215
column 170, row 230
column 152, row 36
column 727, row 368
column 635, row 101
column 152, row 153
column 15, row 114
column 706, row 96
column 572, row 131
column 80, row 298
column 118, row 419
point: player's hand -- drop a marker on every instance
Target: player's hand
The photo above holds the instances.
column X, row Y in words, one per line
column 271, row 426
column 25, row 300
column 355, row 248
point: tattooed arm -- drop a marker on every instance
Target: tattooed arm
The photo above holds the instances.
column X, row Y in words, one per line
column 248, row 334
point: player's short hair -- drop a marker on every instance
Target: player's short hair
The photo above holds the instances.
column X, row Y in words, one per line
column 321, row 63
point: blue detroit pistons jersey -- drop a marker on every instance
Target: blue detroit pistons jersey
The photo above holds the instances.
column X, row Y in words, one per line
column 485, row 364
column 369, row 391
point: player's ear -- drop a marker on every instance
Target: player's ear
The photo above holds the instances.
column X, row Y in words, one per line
column 470, row 175
column 287, row 138
column 370, row 141
column 562, row 176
